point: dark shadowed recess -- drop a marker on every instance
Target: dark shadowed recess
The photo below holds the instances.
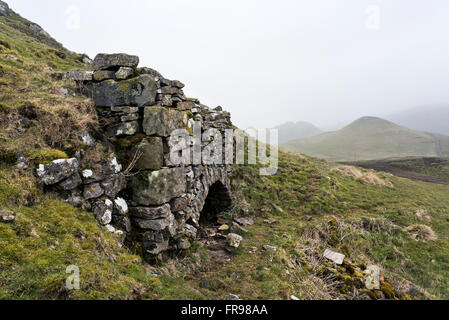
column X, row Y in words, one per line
column 218, row 200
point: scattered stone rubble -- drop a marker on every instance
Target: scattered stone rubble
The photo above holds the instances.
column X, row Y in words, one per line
column 267, row 247
column 234, row 240
column 336, row 257
column 352, row 280
column 373, row 277
column 7, row 215
column 157, row 203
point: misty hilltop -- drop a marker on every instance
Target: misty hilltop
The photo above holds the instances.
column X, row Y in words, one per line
column 297, row 130
column 433, row 118
column 372, row 138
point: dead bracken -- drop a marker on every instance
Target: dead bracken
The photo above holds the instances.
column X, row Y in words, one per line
column 422, row 233
column 365, row 177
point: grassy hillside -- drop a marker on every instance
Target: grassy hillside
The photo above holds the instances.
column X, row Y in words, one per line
column 310, row 205
column 434, row 170
column 37, row 116
column 372, row 138
column 323, row 207
column 48, row 235
column 296, row 130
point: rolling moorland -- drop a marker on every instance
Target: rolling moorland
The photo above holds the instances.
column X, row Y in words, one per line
column 434, row 170
column 310, row 205
column 371, row 138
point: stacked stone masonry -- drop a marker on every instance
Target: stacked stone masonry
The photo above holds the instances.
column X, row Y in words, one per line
column 153, row 202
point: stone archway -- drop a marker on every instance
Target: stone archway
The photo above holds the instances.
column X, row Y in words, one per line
column 207, row 181
column 217, row 201
column 156, row 202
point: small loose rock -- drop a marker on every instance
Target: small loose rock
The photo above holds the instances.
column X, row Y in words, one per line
column 270, row 248
column 245, row 221
column 234, row 240
column 7, row 215
column 334, row 256
column 87, row 139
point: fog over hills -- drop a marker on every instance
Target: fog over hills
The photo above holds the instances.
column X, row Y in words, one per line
column 433, row 118
column 372, row 138
column 292, row 131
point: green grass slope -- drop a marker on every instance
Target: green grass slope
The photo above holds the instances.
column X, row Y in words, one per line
column 49, row 235
column 372, row 138
column 321, row 208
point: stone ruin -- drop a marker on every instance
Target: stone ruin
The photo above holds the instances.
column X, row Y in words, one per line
column 137, row 191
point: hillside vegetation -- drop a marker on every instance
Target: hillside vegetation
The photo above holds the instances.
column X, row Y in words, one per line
column 434, row 170
column 372, row 138
column 42, row 122
column 310, row 205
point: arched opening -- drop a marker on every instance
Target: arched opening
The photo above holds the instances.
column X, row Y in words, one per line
column 218, row 200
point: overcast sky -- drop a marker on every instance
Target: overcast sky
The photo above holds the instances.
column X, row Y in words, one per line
column 269, row 62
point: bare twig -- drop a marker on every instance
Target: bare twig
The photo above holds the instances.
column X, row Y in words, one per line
column 133, row 163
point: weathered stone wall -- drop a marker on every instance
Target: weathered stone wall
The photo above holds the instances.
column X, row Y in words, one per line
column 138, row 189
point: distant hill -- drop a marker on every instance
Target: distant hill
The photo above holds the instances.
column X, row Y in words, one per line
column 425, row 118
column 371, row 138
column 291, row 131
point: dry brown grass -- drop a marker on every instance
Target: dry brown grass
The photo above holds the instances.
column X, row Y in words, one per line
column 365, row 177
column 316, row 288
column 376, row 225
column 421, row 232
column 57, row 127
column 66, row 124
column 422, row 214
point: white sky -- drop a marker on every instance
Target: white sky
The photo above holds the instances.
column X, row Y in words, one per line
column 269, row 62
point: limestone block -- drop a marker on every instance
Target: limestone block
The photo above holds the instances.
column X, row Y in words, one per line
column 150, row 213
column 155, row 242
column 102, row 75
column 123, row 129
column 139, row 91
column 158, row 187
column 161, row 121
column 124, row 73
column 58, row 170
column 114, row 61
column 334, row 256
column 152, row 157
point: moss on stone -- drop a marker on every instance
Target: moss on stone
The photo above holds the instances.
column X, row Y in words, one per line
column 333, row 230
column 127, row 85
column 189, row 114
column 387, row 290
column 46, row 155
